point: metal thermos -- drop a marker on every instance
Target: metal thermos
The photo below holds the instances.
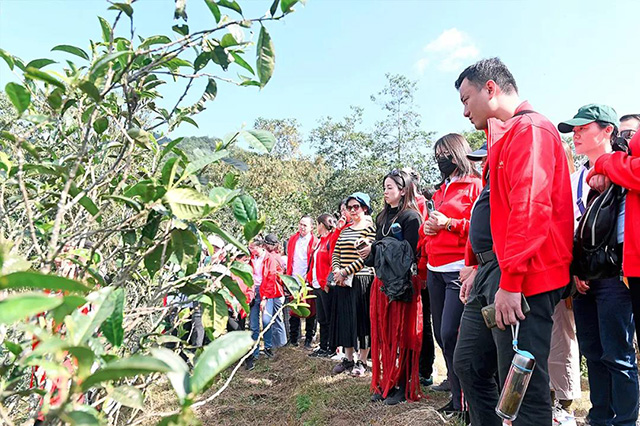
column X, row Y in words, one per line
column 396, row 231
column 515, row 385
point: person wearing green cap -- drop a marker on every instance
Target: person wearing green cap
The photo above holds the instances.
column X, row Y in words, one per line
column 602, row 309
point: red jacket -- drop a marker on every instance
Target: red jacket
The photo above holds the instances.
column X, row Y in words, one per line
column 271, row 286
column 624, row 170
column 421, row 201
column 291, row 246
column 323, row 259
column 455, row 201
column 531, row 203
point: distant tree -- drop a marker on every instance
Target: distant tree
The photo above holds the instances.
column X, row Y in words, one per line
column 287, row 134
column 476, row 138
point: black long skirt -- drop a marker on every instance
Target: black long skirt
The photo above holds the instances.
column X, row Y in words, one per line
column 350, row 323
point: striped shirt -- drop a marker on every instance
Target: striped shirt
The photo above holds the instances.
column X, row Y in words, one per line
column 345, row 254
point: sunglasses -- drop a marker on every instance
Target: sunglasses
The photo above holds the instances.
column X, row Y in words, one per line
column 396, row 172
column 354, row 207
column 627, row 134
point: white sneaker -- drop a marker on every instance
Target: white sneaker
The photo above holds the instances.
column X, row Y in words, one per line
column 359, row 369
column 562, row 417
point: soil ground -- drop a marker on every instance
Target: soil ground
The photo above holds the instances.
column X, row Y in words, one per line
column 294, row 389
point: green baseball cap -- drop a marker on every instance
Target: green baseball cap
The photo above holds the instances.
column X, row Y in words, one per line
column 588, row 114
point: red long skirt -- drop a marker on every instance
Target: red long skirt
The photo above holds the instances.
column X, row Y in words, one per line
column 396, row 341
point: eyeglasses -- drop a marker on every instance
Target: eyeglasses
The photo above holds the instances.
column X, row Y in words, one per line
column 627, row 134
column 396, row 172
column 443, row 154
column 354, row 207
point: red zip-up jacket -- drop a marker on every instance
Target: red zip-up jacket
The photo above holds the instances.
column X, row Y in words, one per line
column 531, row 203
column 624, row 170
column 291, row 246
column 322, row 262
column 455, row 201
column 271, row 286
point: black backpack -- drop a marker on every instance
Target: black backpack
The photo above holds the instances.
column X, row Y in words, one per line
column 595, row 247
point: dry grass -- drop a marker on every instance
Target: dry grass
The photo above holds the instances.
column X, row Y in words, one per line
column 294, row 389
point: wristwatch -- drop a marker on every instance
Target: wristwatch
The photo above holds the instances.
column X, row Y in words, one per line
column 448, row 225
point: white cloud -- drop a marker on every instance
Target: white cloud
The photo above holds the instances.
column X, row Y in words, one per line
column 451, row 51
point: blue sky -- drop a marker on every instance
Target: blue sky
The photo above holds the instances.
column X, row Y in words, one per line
column 331, row 54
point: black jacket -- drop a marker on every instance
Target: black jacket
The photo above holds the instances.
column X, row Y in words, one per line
column 393, row 260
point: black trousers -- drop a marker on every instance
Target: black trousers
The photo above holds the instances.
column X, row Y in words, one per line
column 323, row 316
column 634, row 288
column 294, row 328
column 428, row 352
column 482, row 352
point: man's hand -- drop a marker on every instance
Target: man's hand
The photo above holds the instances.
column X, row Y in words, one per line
column 508, row 308
column 263, row 304
column 467, row 276
column 598, row 182
column 435, row 223
column 364, row 252
column 582, row 286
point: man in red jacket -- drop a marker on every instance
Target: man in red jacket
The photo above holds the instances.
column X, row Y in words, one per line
column 299, row 251
column 531, row 220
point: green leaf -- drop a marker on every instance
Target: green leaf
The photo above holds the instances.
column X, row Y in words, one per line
column 155, row 260
column 87, row 416
column 169, row 171
column 7, row 58
column 262, row 140
column 167, row 149
column 20, row 307
column 90, row 89
column 187, row 203
column 286, row 5
column 128, row 396
column 237, row 292
column 40, row 63
column 252, row 228
column 201, row 61
column 157, row 39
column 112, row 326
column 291, row 283
column 86, row 202
column 150, row 229
column 217, row 356
column 14, row 348
column 240, row 61
column 190, row 121
column 221, row 196
column 210, row 91
column 274, row 7
column 106, row 30
column 67, row 104
column 210, row 226
column 266, row 60
column 85, row 358
column 230, row 181
column 200, row 163
column 103, row 63
column 129, row 201
column 186, row 248
column 228, row 40
column 181, row 29
column 215, row 314
column 245, row 209
column 42, row 281
column 36, row 74
column 125, row 367
column 179, row 374
column 80, row 326
column 100, row 125
column 139, row 136
column 301, row 311
column 19, row 96
column 124, row 7
column 215, row 10
column 220, row 56
column 55, row 100
column 230, row 4
column 72, row 49
column 70, row 304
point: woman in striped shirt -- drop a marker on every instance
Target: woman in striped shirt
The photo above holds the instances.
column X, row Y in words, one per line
column 350, row 325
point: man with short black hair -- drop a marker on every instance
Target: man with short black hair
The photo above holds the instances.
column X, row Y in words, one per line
column 531, row 220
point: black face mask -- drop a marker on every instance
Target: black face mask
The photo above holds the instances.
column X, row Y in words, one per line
column 446, row 166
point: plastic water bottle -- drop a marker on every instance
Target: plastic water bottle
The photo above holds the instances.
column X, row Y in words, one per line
column 396, row 231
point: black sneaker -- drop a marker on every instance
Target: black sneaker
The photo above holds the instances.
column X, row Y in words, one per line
column 377, row 397
column 426, row 382
column 447, row 409
column 307, row 344
column 318, row 353
column 268, row 352
column 445, row 386
column 329, row 354
column 396, row 397
column 248, row 364
column 345, row 365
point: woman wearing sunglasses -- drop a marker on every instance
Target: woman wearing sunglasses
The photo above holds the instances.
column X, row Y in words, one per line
column 396, row 326
column 446, row 233
column 350, row 325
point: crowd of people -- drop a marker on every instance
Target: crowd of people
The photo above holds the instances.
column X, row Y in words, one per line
column 498, row 239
